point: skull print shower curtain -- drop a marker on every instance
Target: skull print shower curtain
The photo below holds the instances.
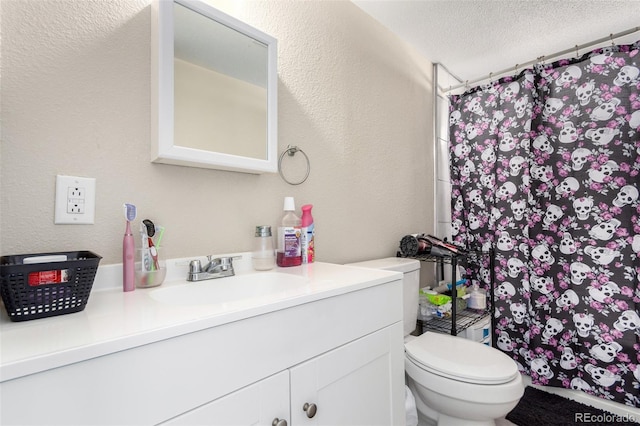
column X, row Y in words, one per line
column 545, row 169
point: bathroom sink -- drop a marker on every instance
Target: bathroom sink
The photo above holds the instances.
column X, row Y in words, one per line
column 234, row 292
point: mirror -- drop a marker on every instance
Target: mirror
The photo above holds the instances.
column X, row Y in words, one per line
column 214, row 90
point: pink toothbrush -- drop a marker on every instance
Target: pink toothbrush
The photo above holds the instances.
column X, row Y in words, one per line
column 128, row 251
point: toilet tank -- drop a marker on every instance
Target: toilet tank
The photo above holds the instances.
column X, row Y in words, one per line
column 410, row 269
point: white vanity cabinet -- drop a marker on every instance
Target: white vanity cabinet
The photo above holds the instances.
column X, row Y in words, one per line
column 342, row 351
column 350, row 385
column 261, row 403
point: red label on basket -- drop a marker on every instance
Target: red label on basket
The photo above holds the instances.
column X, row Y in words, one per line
column 48, row 277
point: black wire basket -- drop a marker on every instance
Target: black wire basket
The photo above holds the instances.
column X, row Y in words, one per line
column 51, row 286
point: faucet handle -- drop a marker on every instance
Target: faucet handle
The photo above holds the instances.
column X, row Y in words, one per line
column 195, row 267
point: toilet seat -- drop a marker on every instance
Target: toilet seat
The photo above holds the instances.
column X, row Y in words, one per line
column 460, row 359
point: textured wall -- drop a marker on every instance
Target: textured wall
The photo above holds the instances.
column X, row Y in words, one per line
column 75, row 101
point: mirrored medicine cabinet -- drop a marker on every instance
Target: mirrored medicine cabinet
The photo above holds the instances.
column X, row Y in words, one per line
column 214, row 90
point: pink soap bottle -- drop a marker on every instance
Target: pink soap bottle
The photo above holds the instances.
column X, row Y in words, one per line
column 307, row 235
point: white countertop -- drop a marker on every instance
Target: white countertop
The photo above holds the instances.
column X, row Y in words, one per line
column 114, row 320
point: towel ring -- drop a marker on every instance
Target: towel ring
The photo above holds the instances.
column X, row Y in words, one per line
column 291, row 151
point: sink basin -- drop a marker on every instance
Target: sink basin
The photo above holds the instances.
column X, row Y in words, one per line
column 234, row 292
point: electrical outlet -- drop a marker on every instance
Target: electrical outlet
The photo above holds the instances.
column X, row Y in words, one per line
column 75, row 200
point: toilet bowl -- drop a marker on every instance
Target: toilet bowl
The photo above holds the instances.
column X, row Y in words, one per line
column 461, row 382
column 454, row 381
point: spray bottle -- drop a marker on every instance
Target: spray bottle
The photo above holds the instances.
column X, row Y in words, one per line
column 307, row 235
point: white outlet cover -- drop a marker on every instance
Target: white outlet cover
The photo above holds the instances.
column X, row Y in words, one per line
column 62, row 216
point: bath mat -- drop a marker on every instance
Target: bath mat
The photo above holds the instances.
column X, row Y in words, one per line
column 543, row 408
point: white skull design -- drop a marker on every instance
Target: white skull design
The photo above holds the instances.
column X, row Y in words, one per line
column 635, row 244
column 568, row 186
column 475, row 106
column 605, row 110
column 606, row 352
column 605, row 230
column 542, row 285
column 579, row 158
column 584, row 324
column 582, row 207
column 514, row 267
column 518, row 311
column 504, row 243
column 520, row 106
column 455, row 117
column 474, row 221
column 541, row 368
column 510, row 91
column 601, row 136
column 626, row 75
column 568, row 133
column 542, row 253
column 567, row 244
column 488, row 181
column 488, row 155
column 628, row 320
column 569, row 299
column 475, row 196
column 585, row 91
column 504, row 342
column 578, row 384
column 568, row 359
column 551, row 328
column 602, row 59
column 603, row 171
column 604, row 292
column 627, row 195
column 496, row 214
column 515, row 165
column 505, row 289
column 541, row 173
column 579, row 272
column 634, row 120
column 569, row 75
column 542, row 143
column 459, row 205
column 471, row 131
column 552, row 215
column 506, row 190
column 518, row 208
column 601, row 376
column 552, row 106
column 455, row 227
column 468, row 168
column 462, row 150
column 601, row 255
column 497, row 118
column 507, row 143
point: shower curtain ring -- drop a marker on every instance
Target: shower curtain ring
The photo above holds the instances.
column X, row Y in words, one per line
column 611, row 37
column 577, row 52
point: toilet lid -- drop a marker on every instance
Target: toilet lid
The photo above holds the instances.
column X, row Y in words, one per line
column 461, row 359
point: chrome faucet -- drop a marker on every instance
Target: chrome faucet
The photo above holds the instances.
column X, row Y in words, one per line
column 218, row 267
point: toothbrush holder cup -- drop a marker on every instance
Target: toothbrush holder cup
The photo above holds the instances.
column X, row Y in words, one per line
column 151, row 267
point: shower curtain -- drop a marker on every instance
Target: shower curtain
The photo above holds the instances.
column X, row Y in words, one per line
column 544, row 170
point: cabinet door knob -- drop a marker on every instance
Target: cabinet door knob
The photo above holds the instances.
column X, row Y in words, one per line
column 310, row 409
column 279, row 422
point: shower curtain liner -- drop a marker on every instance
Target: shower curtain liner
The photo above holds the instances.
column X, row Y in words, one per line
column 544, row 169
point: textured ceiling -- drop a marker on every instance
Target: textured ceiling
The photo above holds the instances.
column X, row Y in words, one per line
column 473, row 38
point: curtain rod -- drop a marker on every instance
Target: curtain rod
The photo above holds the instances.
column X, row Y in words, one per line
column 534, row 61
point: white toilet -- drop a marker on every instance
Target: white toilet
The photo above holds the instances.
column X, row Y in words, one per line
column 455, row 381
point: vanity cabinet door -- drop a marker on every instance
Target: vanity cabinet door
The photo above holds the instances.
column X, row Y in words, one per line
column 257, row 404
column 360, row 383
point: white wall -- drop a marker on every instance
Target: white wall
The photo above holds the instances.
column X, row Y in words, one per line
column 75, row 101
